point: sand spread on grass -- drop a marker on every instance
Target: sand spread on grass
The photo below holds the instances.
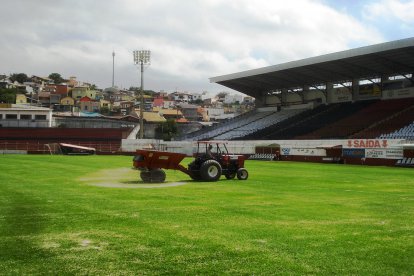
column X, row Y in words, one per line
column 123, row 178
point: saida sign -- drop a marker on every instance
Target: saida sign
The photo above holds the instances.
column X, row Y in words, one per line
column 367, row 143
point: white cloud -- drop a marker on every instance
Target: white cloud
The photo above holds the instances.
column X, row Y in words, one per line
column 190, row 40
column 387, row 9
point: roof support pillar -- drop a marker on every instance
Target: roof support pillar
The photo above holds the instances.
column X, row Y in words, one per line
column 355, row 90
column 284, row 96
column 329, row 92
column 305, row 91
column 261, row 100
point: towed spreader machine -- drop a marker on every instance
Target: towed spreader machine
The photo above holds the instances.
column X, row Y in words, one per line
column 211, row 161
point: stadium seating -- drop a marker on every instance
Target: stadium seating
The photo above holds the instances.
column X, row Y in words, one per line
column 236, row 127
column 406, row 132
column 353, row 126
column 262, row 156
column 361, row 119
column 316, row 119
column 405, row 162
column 253, row 126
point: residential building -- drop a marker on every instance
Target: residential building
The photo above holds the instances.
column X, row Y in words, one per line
column 72, row 82
column 21, row 99
column 83, row 91
column 67, row 101
column 43, row 99
column 105, row 104
column 88, row 105
column 169, row 113
column 14, row 115
column 233, row 98
column 40, row 80
column 190, row 112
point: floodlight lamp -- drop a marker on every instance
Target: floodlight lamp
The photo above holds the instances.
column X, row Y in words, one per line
column 142, row 57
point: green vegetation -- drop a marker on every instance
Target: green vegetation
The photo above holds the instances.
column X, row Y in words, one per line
column 19, row 77
column 8, row 95
column 167, row 130
column 287, row 218
column 57, row 78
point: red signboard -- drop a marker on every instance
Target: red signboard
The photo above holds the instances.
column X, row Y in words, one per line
column 367, row 143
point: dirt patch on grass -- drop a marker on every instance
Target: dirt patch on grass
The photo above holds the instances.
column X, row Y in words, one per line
column 123, row 178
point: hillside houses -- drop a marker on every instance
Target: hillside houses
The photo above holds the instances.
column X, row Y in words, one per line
column 74, row 98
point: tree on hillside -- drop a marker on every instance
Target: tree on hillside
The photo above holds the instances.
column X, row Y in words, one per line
column 137, row 91
column 197, row 102
column 167, row 130
column 222, row 95
column 56, row 77
column 8, row 95
column 19, row 77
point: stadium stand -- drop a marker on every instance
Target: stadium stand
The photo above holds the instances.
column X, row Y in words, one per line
column 262, row 156
column 394, row 122
column 205, row 132
column 360, row 120
column 406, row 132
column 234, row 123
column 259, row 124
column 297, row 127
column 376, row 79
column 405, row 162
column 269, row 132
column 244, row 124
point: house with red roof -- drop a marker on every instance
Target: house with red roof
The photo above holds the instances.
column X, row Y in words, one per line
column 88, row 105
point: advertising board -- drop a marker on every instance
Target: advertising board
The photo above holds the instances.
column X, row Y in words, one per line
column 303, row 151
column 375, row 153
column 354, row 153
column 394, row 153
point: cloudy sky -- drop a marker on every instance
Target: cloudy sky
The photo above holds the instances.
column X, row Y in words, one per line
column 190, row 40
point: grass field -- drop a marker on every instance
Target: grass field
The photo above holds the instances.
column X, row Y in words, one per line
column 287, row 218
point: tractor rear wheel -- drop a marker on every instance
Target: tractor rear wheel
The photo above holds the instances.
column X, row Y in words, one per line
column 242, row 174
column 210, row 170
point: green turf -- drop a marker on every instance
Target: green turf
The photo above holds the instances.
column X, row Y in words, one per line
column 287, row 218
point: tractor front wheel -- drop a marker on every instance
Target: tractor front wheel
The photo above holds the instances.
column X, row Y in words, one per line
column 210, row 170
column 242, row 174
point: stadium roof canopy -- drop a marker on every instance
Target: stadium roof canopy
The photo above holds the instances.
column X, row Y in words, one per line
column 390, row 58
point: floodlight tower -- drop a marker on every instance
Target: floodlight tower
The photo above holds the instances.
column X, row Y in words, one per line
column 142, row 57
column 113, row 68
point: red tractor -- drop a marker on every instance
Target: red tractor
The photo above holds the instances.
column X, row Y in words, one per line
column 211, row 161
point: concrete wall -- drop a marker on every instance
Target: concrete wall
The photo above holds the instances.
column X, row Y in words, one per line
column 341, row 94
column 25, row 117
column 293, row 98
column 272, row 100
column 398, row 93
column 248, row 147
column 313, row 95
column 13, row 151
